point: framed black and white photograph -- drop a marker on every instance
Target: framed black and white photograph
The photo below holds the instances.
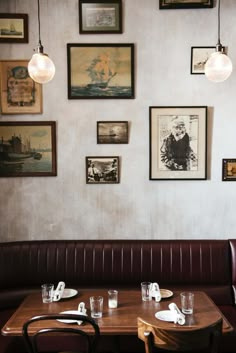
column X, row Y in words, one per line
column 199, row 57
column 185, row 4
column 14, row 28
column 178, row 143
column 98, row 17
column 102, row 170
column 229, row 169
column 112, row 132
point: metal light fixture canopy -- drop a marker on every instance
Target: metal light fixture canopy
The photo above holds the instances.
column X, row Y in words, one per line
column 41, row 68
column 219, row 66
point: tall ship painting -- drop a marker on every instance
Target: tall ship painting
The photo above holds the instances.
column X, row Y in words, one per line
column 100, row 72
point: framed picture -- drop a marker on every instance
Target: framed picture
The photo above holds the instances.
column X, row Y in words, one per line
column 28, row 149
column 178, row 143
column 100, row 16
column 185, row 4
column 102, row 170
column 19, row 93
column 199, row 57
column 229, row 169
column 100, row 71
column 112, row 131
column 14, row 28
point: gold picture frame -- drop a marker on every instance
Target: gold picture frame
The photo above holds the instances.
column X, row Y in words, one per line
column 19, row 93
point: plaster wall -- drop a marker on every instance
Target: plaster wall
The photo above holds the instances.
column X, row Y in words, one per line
column 65, row 207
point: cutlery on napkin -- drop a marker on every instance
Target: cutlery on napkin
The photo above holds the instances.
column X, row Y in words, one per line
column 81, row 311
column 59, row 291
column 155, row 292
column 179, row 317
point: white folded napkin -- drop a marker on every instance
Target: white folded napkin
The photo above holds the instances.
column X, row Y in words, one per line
column 59, row 291
column 81, row 311
column 155, row 292
column 179, row 317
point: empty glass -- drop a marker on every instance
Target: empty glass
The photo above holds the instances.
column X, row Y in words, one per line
column 47, row 292
column 112, row 299
column 187, row 302
column 146, row 291
column 96, row 306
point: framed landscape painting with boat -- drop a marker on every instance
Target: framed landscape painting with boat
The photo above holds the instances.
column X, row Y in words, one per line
column 13, row 28
column 112, row 131
column 28, row 149
column 100, row 71
column 185, row 4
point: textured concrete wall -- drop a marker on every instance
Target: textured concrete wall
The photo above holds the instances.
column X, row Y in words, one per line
column 65, row 206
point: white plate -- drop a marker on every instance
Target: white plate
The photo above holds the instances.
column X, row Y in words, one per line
column 69, row 293
column 166, row 293
column 75, row 312
column 165, row 315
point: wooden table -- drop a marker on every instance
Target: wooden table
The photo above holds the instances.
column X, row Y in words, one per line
column 119, row 321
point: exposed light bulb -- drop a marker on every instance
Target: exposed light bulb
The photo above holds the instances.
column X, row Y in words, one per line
column 218, row 67
column 41, row 68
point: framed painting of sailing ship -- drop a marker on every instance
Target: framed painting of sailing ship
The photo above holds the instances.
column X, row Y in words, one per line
column 19, row 93
column 14, row 28
column 28, row 149
column 112, row 132
column 178, row 143
column 100, row 71
column 199, row 57
column 100, row 16
column 185, row 4
column 102, row 170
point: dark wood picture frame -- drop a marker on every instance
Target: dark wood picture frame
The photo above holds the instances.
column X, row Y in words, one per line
column 14, row 28
column 199, row 57
column 229, row 169
column 178, row 143
column 185, row 4
column 112, row 132
column 100, row 17
column 28, row 149
column 98, row 71
column 102, row 170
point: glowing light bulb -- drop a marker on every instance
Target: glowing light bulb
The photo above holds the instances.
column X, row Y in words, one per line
column 218, row 67
column 41, row 68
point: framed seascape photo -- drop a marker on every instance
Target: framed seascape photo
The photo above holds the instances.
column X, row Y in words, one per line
column 199, row 57
column 185, row 4
column 112, row 131
column 229, row 169
column 28, row 149
column 14, row 28
column 178, row 143
column 102, row 170
column 100, row 16
column 19, row 93
column 100, row 71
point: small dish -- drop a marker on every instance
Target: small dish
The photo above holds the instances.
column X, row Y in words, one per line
column 75, row 312
column 69, row 293
column 166, row 293
column 165, row 315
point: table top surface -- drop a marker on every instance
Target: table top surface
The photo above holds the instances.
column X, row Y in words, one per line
column 123, row 319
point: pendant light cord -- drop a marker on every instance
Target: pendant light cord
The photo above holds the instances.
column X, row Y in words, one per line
column 39, row 23
column 218, row 21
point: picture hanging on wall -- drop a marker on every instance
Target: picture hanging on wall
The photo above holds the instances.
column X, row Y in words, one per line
column 19, row 93
column 28, row 149
column 14, row 28
column 100, row 16
column 229, row 169
column 100, row 71
column 185, row 4
column 102, row 170
column 199, row 57
column 178, row 143
column 112, row 132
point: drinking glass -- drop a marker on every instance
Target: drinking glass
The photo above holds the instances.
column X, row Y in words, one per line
column 96, row 306
column 146, row 291
column 112, row 299
column 187, row 302
column 47, row 292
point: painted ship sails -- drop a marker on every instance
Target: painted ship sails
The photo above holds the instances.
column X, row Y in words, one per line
column 100, row 72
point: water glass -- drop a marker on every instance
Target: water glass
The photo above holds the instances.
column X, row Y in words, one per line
column 96, row 306
column 112, row 299
column 146, row 291
column 47, row 292
column 187, row 302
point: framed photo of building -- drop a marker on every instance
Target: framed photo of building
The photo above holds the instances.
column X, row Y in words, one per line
column 100, row 16
column 19, row 93
column 100, row 71
column 178, row 143
column 229, row 169
column 28, row 149
column 185, row 4
column 14, row 28
column 112, row 132
column 199, row 57
column 102, row 170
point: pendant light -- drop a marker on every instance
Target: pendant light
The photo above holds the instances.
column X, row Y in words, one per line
column 41, row 68
column 219, row 66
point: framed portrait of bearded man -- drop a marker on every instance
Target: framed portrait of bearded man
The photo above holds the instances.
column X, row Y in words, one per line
column 178, row 143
